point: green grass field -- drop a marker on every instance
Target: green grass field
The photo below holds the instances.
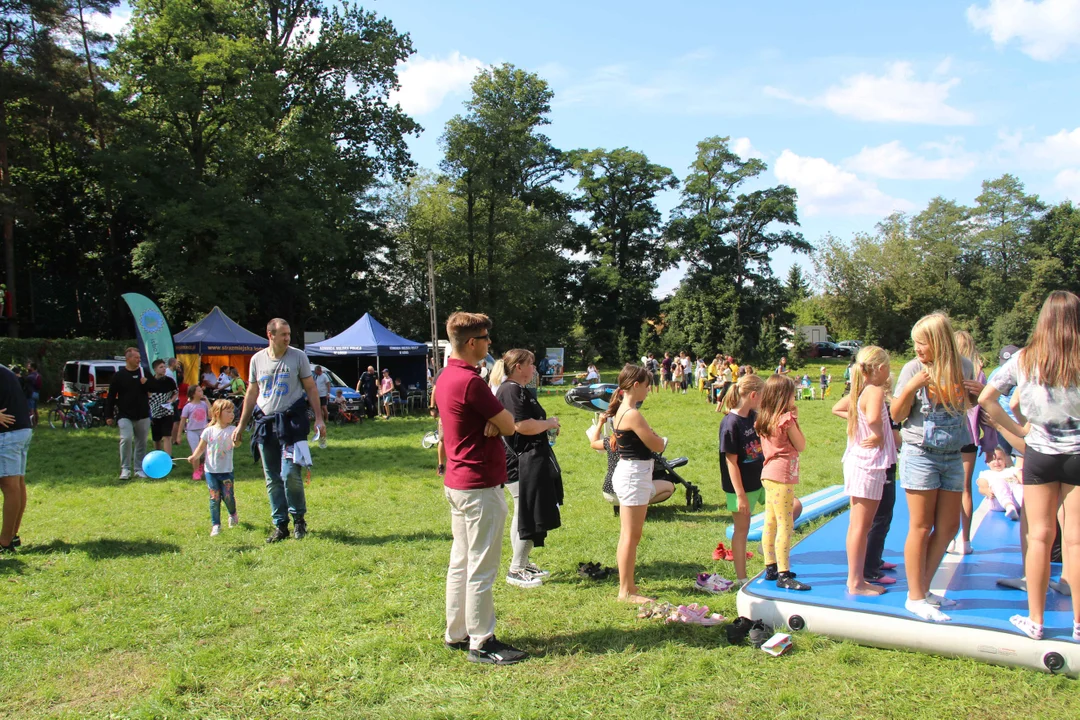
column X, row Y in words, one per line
column 121, row 605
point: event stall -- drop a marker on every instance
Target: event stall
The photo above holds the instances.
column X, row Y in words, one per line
column 218, row 340
column 368, row 342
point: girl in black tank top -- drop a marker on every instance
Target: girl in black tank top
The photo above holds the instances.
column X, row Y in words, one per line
column 630, row 446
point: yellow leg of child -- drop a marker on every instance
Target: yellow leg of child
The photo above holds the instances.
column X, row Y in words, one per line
column 780, row 497
column 768, row 532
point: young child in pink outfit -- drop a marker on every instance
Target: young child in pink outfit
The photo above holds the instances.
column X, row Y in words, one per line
column 1001, row 483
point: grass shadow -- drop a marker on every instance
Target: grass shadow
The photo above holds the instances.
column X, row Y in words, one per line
column 347, row 538
column 606, row 641
column 106, row 548
column 12, row 566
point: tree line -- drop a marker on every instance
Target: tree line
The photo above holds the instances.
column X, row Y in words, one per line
column 248, row 155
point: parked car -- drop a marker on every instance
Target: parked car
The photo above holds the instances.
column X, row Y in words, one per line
column 89, row 377
column 853, row 345
column 827, row 349
column 353, row 401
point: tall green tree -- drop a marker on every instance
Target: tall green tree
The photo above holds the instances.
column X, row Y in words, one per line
column 256, row 133
column 626, row 250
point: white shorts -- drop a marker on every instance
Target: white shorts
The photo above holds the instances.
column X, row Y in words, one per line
column 863, row 483
column 633, row 483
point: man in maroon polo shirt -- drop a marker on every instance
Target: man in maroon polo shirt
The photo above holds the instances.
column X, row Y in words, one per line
column 472, row 420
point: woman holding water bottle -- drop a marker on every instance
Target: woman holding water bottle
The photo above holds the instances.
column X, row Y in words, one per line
column 533, row 476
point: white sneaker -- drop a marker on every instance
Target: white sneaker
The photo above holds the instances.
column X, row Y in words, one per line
column 234, row 520
column 522, row 579
column 125, row 474
column 534, row 570
column 141, row 475
column 215, row 530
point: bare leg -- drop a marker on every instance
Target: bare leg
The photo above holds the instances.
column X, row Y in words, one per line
column 664, row 489
column 922, row 505
column 13, row 495
column 1040, row 507
column 738, row 542
column 631, row 520
column 968, row 503
column 946, row 524
column 859, row 521
column 22, row 507
column 1070, row 543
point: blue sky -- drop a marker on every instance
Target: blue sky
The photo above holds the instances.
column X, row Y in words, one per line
column 863, row 107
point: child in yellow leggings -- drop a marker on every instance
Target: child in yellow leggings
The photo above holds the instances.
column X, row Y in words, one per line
column 781, row 440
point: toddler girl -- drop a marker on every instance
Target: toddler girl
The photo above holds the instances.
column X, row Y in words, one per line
column 741, row 461
column 871, row 451
column 216, row 442
column 781, row 440
column 1001, row 483
column 193, row 420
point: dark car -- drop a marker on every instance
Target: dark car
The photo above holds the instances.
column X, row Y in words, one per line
column 827, row 349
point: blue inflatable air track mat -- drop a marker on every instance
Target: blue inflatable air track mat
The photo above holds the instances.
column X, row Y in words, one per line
column 979, row 625
column 815, row 505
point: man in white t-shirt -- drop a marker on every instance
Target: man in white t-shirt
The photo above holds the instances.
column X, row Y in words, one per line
column 278, row 380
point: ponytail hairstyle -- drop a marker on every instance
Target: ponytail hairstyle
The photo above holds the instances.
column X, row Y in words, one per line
column 866, row 363
column 745, row 385
column 1052, row 356
column 946, row 371
column 965, row 345
column 776, row 398
column 628, row 376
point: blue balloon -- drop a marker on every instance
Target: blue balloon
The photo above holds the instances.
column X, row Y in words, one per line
column 157, row 464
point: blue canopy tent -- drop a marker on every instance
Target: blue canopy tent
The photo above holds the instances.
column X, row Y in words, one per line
column 370, row 343
column 218, row 340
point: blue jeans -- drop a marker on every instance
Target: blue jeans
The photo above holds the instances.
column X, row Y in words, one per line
column 221, row 489
column 922, row 469
column 284, row 485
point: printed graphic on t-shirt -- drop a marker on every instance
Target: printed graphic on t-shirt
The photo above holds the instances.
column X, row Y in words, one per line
column 276, row 382
column 752, row 443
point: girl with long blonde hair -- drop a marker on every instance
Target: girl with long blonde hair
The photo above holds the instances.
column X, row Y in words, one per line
column 871, row 451
column 741, row 462
column 932, row 399
column 1046, row 375
column 632, row 480
column 965, row 345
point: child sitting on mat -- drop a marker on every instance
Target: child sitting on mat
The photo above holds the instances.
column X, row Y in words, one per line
column 1001, row 483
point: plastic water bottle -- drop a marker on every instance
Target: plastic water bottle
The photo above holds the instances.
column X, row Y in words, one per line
column 552, row 433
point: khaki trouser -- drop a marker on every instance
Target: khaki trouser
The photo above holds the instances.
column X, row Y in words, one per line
column 477, row 518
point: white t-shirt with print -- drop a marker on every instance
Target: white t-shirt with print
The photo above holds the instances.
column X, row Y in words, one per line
column 1054, row 413
column 219, row 448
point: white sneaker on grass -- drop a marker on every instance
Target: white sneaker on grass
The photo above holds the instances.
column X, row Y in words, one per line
column 215, row 530
column 523, row 579
column 234, row 520
column 141, row 475
column 534, row 570
column 125, row 474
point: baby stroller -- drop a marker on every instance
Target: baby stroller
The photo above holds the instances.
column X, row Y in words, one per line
column 595, row 398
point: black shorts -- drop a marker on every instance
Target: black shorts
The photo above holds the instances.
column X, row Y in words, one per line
column 161, row 428
column 324, row 401
column 969, row 448
column 1040, row 469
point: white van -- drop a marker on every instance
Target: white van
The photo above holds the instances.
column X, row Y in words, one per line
column 89, row 376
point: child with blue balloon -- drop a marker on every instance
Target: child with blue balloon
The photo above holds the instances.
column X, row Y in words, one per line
column 216, row 442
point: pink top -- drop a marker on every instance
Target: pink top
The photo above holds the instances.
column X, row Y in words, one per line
column 781, row 457
column 880, row 458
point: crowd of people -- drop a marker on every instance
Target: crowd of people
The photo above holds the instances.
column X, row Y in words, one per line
column 922, row 432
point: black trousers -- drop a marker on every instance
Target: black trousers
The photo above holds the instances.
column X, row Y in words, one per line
column 875, row 540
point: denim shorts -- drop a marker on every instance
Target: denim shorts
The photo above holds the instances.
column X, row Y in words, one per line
column 13, row 448
column 921, row 469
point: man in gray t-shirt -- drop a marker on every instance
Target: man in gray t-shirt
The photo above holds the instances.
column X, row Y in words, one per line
column 279, row 377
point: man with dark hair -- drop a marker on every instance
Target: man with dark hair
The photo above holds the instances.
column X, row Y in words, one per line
column 475, row 472
column 279, row 392
column 367, row 386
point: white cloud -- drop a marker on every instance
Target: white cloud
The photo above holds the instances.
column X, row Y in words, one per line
column 894, row 97
column 1057, row 150
column 745, row 149
column 825, row 188
column 113, row 24
column 617, row 84
column 426, row 82
column 1068, row 182
column 894, row 161
column 1045, row 30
